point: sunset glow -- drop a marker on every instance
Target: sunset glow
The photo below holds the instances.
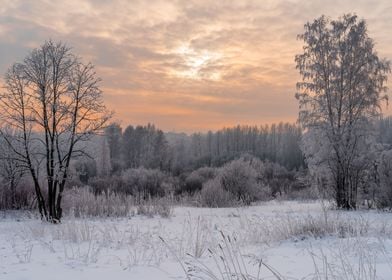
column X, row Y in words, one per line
column 195, row 62
column 186, row 65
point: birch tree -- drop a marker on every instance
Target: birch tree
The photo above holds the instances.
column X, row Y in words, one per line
column 53, row 101
column 340, row 95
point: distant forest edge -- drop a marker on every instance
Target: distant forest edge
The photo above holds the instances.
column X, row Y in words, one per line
column 261, row 162
column 148, row 146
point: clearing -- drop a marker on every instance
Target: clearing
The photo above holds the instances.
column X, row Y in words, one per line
column 287, row 239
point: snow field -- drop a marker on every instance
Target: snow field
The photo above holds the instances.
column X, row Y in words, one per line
column 278, row 239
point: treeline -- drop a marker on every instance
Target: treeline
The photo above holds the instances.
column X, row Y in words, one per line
column 232, row 165
column 149, row 147
column 384, row 132
column 145, row 162
column 276, row 143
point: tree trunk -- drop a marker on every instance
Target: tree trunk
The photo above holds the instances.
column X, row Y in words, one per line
column 339, row 192
column 13, row 193
column 40, row 201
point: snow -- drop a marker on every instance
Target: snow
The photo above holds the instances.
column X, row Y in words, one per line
column 131, row 248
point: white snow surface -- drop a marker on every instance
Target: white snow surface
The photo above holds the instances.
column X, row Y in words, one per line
column 283, row 234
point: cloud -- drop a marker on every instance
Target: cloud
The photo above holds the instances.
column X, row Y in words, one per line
column 185, row 65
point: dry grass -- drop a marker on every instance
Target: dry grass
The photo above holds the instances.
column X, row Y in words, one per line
column 159, row 206
column 82, row 202
column 206, row 246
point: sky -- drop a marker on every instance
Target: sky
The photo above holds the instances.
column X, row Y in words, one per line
column 190, row 65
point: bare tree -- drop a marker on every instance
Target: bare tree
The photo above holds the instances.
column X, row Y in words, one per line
column 54, row 103
column 339, row 96
column 102, row 158
column 11, row 169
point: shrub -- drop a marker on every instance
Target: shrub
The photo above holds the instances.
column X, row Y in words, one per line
column 194, row 181
column 213, row 195
column 240, row 179
column 279, row 180
column 105, row 184
column 206, row 173
column 84, row 169
column 144, row 183
column 19, row 198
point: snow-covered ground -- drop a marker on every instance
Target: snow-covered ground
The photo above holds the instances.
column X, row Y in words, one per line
column 296, row 240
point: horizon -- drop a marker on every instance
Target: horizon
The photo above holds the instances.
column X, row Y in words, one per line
column 124, row 126
column 186, row 66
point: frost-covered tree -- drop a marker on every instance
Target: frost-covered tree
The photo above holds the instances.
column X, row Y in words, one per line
column 277, row 142
column 340, row 94
column 53, row 102
column 102, row 158
column 240, row 179
column 144, row 146
column 113, row 134
column 144, row 183
column 11, row 170
column 384, row 180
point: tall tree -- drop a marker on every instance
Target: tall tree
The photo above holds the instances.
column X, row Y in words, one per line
column 339, row 96
column 102, row 158
column 11, row 171
column 113, row 133
column 54, row 102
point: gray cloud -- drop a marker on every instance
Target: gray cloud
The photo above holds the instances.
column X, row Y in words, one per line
column 185, row 65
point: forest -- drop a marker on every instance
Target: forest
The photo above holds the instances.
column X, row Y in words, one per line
column 264, row 163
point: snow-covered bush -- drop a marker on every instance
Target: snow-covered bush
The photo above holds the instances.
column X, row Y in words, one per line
column 84, row 169
column 240, row 179
column 193, row 183
column 144, row 183
column 105, row 184
column 206, row 172
column 276, row 177
column 195, row 180
column 213, row 195
column 21, row 197
column 243, row 180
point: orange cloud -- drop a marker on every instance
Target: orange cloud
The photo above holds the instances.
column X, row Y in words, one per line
column 186, row 65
